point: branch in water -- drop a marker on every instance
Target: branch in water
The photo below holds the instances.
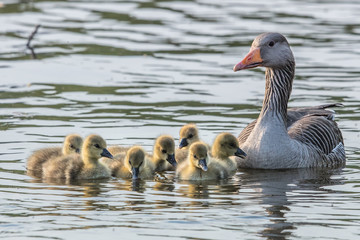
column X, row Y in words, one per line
column 32, row 35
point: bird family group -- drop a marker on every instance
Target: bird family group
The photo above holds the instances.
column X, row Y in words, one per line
column 280, row 138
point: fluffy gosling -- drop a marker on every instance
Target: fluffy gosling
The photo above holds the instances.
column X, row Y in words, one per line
column 84, row 166
column 198, row 166
column 72, row 144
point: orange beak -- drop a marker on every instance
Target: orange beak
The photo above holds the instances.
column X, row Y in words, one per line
column 251, row 60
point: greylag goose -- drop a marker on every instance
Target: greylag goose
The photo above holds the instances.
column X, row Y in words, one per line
column 282, row 138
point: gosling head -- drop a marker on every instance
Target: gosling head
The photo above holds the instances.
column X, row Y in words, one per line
column 188, row 135
column 94, row 147
column 165, row 149
column 72, row 144
column 198, row 155
column 270, row 50
column 226, row 145
column 135, row 158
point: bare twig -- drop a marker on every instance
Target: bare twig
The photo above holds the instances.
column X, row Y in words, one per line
column 32, row 35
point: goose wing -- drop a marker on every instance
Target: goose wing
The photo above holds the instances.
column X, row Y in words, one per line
column 294, row 115
column 323, row 137
column 318, row 131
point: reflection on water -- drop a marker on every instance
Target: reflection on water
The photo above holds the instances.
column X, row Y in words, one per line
column 133, row 70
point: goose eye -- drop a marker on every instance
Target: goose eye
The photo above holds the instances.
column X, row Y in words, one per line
column 163, row 151
column 72, row 146
column 97, row 145
column 271, row 44
column 195, row 156
column 232, row 145
column 190, row 136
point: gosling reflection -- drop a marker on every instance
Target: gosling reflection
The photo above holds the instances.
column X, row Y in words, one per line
column 135, row 185
column 274, row 187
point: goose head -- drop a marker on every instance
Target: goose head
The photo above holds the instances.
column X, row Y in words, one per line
column 188, row 135
column 164, row 149
column 269, row 50
column 198, row 155
column 94, row 147
column 226, row 145
column 72, row 144
column 134, row 160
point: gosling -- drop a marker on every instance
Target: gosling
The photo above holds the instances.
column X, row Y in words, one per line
column 163, row 157
column 72, row 144
column 226, row 145
column 131, row 164
column 189, row 134
column 84, row 166
column 198, row 167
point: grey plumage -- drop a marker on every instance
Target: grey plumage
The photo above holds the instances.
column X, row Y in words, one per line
column 281, row 137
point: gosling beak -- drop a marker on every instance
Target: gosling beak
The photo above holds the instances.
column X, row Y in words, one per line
column 106, row 153
column 240, row 153
column 171, row 160
column 135, row 172
column 183, row 143
column 77, row 150
column 202, row 164
column 251, row 60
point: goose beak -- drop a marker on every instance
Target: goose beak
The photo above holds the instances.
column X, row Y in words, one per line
column 106, row 153
column 202, row 164
column 251, row 60
column 135, row 172
column 240, row 153
column 183, row 143
column 171, row 160
column 77, row 150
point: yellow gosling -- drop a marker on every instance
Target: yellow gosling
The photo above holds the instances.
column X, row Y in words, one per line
column 163, row 157
column 117, row 149
column 72, row 144
column 225, row 146
column 133, row 164
column 198, row 167
column 188, row 135
column 84, row 166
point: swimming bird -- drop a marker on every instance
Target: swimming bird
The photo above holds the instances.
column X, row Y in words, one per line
column 84, row 166
column 115, row 149
column 163, row 157
column 281, row 137
column 189, row 134
column 72, row 144
column 198, row 167
column 226, row 145
column 131, row 164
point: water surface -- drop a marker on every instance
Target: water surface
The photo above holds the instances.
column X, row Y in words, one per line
column 132, row 70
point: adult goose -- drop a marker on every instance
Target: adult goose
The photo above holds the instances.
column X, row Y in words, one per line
column 282, row 138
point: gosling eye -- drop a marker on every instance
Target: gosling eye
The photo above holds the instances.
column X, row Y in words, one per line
column 195, row 156
column 163, row 151
column 271, row 43
column 72, row 146
column 232, row 145
column 97, row 145
column 190, row 136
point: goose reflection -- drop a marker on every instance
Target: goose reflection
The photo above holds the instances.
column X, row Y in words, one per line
column 274, row 187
